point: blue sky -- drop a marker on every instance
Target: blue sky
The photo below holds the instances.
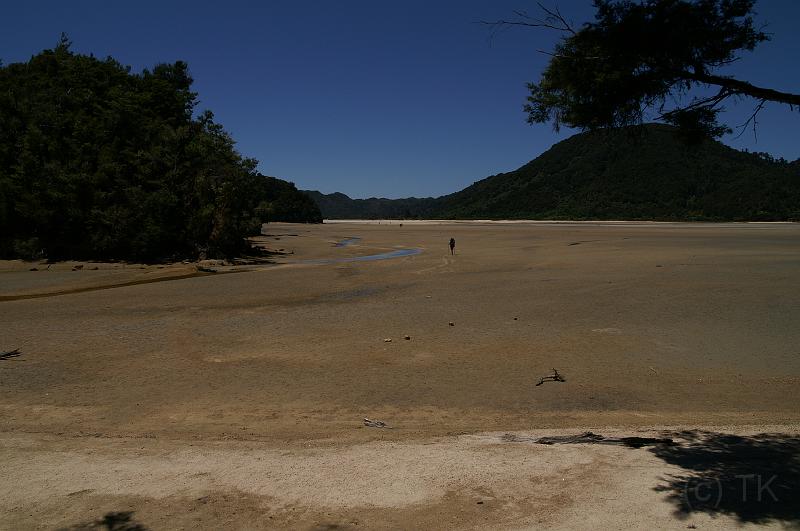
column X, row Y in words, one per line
column 371, row 98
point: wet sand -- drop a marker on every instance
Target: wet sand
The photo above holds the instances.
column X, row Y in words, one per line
column 209, row 388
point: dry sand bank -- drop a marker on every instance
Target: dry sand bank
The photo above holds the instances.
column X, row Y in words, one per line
column 17, row 280
column 210, row 388
column 481, row 481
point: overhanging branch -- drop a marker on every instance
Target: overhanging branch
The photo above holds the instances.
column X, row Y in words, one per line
column 736, row 86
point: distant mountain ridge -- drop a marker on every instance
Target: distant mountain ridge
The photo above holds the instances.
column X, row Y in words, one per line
column 339, row 206
column 644, row 173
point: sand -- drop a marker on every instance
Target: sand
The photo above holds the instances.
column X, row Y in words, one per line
column 236, row 400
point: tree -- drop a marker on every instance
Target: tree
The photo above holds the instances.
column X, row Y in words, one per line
column 648, row 55
column 98, row 162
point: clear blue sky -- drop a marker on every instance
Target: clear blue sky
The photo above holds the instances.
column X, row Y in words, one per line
column 370, row 98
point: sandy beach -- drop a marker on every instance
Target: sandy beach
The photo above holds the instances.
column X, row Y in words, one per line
column 193, row 399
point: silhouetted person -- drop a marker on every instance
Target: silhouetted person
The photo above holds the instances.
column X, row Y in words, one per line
column 452, row 246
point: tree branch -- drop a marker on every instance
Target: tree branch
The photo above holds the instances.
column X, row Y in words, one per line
column 743, row 87
column 554, row 20
column 537, row 24
column 753, row 119
column 711, row 101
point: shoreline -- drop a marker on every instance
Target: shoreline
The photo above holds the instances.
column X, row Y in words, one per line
column 629, row 223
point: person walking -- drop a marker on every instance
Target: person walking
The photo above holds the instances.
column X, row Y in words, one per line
column 452, row 246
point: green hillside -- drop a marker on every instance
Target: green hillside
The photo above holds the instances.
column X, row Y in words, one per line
column 646, row 173
column 643, row 173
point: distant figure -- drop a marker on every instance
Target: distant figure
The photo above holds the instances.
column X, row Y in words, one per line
column 452, row 246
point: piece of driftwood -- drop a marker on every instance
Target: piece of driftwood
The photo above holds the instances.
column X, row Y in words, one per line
column 375, row 423
column 555, row 377
column 10, row 354
column 589, row 438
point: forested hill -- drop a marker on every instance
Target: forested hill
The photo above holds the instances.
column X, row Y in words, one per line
column 642, row 173
column 99, row 162
column 645, row 173
column 340, row 206
column 280, row 200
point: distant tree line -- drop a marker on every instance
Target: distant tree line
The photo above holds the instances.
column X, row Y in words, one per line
column 99, row 162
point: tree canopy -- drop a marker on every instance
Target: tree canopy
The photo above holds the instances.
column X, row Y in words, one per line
column 99, row 162
column 650, row 55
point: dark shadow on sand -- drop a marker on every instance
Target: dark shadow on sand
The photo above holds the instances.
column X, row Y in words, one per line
column 755, row 479
column 120, row 521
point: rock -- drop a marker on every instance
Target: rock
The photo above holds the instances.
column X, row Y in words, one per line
column 452, row 323
column 387, row 340
column 33, row 269
column 516, row 318
column 407, row 338
column 77, row 267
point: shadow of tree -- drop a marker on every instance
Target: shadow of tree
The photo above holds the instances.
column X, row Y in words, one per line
column 755, row 479
column 119, row 521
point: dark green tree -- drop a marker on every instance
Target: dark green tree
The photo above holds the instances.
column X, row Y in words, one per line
column 99, row 162
column 648, row 55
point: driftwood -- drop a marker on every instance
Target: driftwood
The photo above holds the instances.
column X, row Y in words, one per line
column 589, row 438
column 375, row 424
column 10, row 354
column 555, row 377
